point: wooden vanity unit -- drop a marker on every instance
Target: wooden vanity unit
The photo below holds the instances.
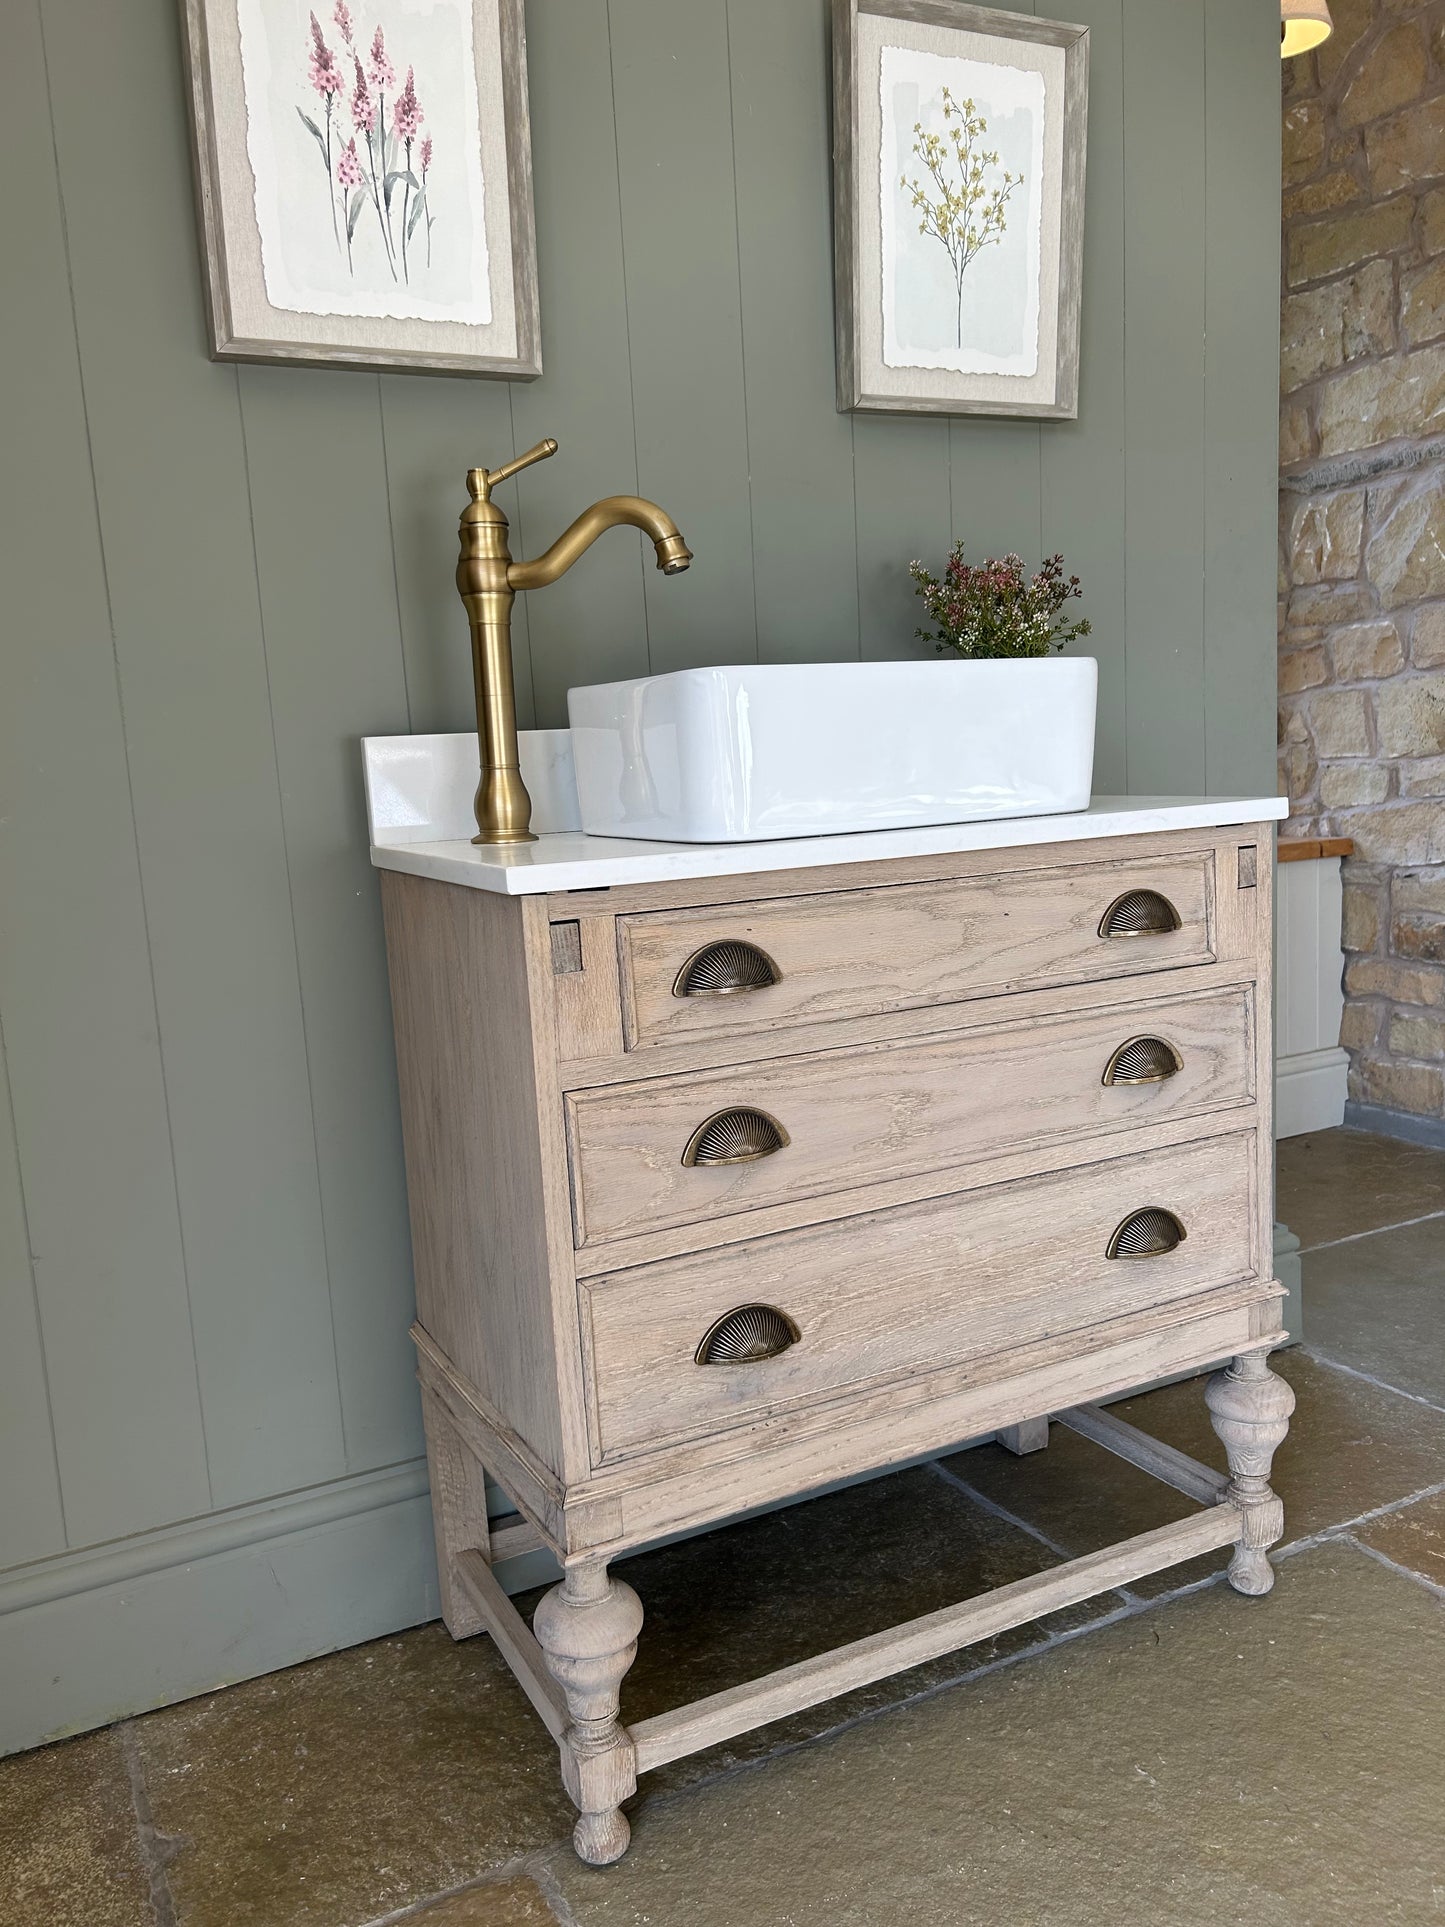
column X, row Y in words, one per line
column 736, row 1172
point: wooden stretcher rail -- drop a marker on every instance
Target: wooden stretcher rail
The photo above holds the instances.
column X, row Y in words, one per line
column 722, row 1716
column 1200, row 1482
column 514, row 1640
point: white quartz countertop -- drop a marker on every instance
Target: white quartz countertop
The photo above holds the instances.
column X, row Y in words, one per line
column 419, row 800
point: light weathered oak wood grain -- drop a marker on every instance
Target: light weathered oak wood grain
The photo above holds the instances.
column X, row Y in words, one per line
column 864, row 1115
column 902, row 1292
column 852, row 952
column 459, row 1513
column 979, row 1173
column 473, row 1155
column 936, row 1228
column 929, row 1020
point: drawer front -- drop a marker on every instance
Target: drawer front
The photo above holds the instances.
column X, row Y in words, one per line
column 898, row 1293
column 756, row 966
column 868, row 1114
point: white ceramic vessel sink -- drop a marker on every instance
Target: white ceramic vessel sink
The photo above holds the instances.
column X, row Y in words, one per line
column 739, row 755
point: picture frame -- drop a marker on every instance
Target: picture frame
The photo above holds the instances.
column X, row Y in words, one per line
column 363, row 177
column 959, row 137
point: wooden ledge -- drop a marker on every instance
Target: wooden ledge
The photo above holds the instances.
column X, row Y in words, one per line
column 1300, row 849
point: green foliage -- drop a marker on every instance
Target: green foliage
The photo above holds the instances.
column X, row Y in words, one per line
column 991, row 611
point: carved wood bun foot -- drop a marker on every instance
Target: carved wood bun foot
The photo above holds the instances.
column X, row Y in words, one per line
column 1249, row 1407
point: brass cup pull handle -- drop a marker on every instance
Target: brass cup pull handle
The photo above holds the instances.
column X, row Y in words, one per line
column 746, row 1335
column 1139, row 913
column 1146, row 1234
column 725, row 969
column 1143, row 1060
column 739, row 1135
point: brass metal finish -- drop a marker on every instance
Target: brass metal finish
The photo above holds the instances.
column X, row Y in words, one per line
column 1139, row 913
column 1143, row 1060
column 749, row 1333
column 726, row 968
column 740, row 1135
column 488, row 581
column 1146, row 1234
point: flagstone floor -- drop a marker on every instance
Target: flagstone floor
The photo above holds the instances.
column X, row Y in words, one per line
column 1169, row 1755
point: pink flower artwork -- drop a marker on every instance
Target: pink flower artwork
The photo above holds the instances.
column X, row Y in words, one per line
column 368, row 166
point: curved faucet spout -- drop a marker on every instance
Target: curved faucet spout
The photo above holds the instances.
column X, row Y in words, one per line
column 613, row 511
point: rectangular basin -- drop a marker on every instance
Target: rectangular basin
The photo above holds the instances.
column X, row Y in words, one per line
column 743, row 754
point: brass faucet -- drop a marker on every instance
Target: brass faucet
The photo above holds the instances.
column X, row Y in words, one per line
column 488, row 580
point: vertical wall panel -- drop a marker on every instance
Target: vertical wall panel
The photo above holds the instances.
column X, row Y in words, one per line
column 75, row 986
column 680, row 252
column 901, row 481
column 592, row 625
column 800, row 447
column 1083, row 460
column 165, row 431
column 1241, row 312
column 328, row 606
column 1164, row 226
column 994, row 482
column 32, row 1521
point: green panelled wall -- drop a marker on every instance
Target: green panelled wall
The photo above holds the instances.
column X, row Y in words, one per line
column 217, row 579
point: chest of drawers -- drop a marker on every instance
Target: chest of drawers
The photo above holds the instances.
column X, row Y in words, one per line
column 727, row 1187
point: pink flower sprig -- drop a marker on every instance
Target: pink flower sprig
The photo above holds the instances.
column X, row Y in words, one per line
column 406, row 115
column 341, row 14
column 322, row 70
column 363, row 107
column 381, row 73
column 425, row 156
column 348, row 167
column 992, row 611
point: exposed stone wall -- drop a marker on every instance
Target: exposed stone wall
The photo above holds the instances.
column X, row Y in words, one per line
column 1362, row 518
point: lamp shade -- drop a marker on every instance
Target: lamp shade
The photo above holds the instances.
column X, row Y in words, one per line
column 1303, row 24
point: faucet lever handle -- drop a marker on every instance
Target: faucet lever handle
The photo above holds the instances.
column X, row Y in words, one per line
column 537, row 454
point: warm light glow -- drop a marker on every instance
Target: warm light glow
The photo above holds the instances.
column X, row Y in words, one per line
column 1303, row 24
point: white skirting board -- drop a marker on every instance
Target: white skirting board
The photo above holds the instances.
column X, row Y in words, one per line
column 1311, row 1069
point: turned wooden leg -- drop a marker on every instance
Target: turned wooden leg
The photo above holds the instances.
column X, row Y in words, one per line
column 587, row 1628
column 1031, row 1436
column 458, row 1511
column 1249, row 1407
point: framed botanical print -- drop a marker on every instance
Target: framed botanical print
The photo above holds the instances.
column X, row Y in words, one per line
column 364, row 182
column 958, row 193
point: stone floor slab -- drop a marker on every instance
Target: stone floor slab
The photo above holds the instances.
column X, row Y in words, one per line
column 68, row 1843
column 500, row 1903
column 1378, row 1303
column 1351, row 1447
column 1212, row 1760
column 1413, row 1537
column 1336, row 1184
column 350, row 1787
